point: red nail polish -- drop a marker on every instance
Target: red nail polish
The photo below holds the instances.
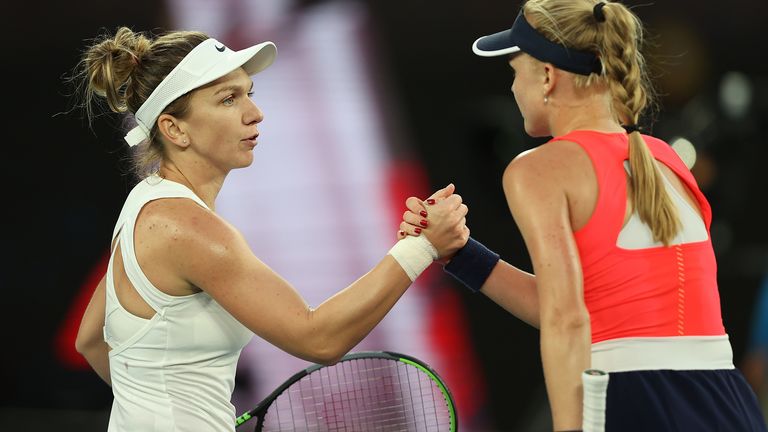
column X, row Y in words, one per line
column 423, row 213
column 402, row 233
column 424, row 223
column 430, row 201
column 417, row 230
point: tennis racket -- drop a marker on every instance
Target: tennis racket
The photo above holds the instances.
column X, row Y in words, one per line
column 364, row 391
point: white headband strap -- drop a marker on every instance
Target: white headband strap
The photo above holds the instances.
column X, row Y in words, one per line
column 207, row 62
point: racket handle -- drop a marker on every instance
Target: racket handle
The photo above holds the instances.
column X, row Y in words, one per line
column 595, row 391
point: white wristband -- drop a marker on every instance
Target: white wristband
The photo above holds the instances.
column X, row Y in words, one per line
column 414, row 254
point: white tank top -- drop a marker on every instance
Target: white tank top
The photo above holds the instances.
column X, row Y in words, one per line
column 176, row 371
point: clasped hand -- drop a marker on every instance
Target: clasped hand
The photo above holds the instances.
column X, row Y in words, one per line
column 441, row 218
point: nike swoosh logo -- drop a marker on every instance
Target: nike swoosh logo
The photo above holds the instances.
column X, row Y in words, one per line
column 221, row 48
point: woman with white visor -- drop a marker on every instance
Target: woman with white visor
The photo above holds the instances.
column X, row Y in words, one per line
column 183, row 292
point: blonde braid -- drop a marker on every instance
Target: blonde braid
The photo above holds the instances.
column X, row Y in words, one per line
column 625, row 69
column 617, row 39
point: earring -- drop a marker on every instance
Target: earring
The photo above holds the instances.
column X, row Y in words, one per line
column 546, row 100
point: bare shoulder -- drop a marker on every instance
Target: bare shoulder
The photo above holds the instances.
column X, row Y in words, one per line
column 181, row 217
column 181, row 230
column 554, row 165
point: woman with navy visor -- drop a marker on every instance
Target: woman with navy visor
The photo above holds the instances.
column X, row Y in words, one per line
column 625, row 290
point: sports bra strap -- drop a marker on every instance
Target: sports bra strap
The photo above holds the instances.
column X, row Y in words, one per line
column 150, row 189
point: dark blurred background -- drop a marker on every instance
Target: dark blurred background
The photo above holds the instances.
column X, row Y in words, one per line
column 65, row 183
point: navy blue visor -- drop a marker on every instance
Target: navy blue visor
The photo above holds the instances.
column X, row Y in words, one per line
column 523, row 37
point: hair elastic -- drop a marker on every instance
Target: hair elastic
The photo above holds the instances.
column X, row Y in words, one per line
column 632, row 128
column 597, row 11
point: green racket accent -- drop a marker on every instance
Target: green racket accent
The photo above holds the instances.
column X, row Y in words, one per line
column 439, row 384
column 260, row 410
column 243, row 418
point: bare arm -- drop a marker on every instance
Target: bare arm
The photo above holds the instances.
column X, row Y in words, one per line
column 90, row 336
column 508, row 286
column 534, row 186
column 210, row 254
column 514, row 290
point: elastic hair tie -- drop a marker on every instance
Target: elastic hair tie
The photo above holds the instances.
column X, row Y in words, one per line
column 632, row 128
column 597, row 11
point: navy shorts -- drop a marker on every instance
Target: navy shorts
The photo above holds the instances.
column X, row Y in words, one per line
column 685, row 401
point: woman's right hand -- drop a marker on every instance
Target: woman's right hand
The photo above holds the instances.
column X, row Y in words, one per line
column 441, row 218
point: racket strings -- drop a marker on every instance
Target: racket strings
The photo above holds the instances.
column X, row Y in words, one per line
column 361, row 395
column 373, row 412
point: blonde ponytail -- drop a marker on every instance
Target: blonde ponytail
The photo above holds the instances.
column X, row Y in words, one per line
column 617, row 36
column 620, row 44
column 649, row 196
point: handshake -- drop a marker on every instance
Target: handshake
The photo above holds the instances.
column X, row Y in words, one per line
column 436, row 229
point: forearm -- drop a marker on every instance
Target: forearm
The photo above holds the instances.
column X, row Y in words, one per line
column 97, row 356
column 565, row 353
column 90, row 337
column 515, row 291
column 481, row 269
column 342, row 321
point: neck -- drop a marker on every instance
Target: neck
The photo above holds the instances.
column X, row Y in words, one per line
column 205, row 185
column 588, row 112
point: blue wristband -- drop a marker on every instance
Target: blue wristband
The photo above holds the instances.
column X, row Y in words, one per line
column 472, row 264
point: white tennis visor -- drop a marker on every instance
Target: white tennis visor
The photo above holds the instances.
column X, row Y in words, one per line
column 207, row 62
